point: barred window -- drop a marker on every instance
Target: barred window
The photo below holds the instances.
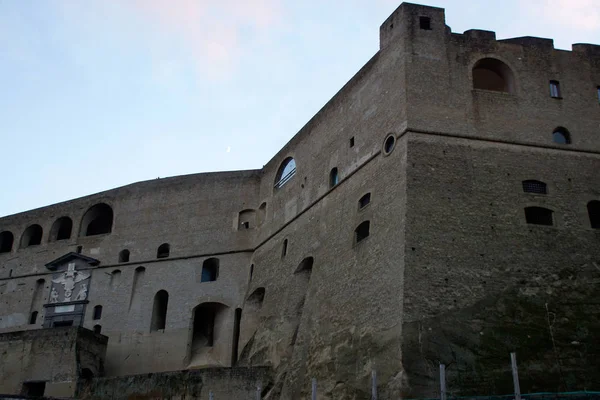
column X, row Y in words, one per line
column 286, row 171
column 533, row 186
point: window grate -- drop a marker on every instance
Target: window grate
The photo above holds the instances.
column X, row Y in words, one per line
column 535, row 187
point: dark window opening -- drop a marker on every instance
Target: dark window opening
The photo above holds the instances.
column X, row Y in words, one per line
column 533, row 186
column 492, row 74
column 204, row 334
column 555, row 90
column 97, row 329
column 251, row 271
column 364, row 201
column 236, row 336
column 246, row 219
column 539, row 216
column 352, row 141
column 255, row 300
column 362, row 231
column 97, row 220
column 97, row 312
column 79, row 249
column 6, row 241
column 210, row 270
column 86, row 373
column 389, row 144
column 61, row 229
column 163, row 251
column 284, row 248
column 59, row 324
column 598, row 92
column 33, row 318
column 124, row 256
column 425, row 23
column 159, row 311
column 286, row 171
column 593, row 208
column 32, row 236
column 561, row 136
column 33, row 389
column 333, row 177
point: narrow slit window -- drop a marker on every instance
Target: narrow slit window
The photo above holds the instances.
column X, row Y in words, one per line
column 555, row 90
column 33, row 318
column 284, row 248
column 352, row 138
column 539, row 216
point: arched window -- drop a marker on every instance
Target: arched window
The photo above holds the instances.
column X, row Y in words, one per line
column 593, row 208
column 33, row 318
column 6, row 241
column 163, row 251
column 32, row 236
column 124, row 256
column 286, row 170
column 561, row 136
column 364, row 201
column 533, row 186
column 97, row 220
column 210, row 270
column 159, row 311
column 539, row 216
column 362, row 231
column 333, row 177
column 207, row 319
column 61, row 229
column 97, row 312
column 493, row 74
column 246, row 219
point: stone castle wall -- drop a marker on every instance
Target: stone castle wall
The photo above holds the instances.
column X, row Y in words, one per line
column 449, row 265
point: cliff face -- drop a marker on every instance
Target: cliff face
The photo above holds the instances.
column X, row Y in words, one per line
column 550, row 320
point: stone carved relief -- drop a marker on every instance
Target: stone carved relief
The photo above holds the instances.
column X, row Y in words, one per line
column 68, row 280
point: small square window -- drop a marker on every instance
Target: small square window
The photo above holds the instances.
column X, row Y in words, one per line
column 555, row 90
column 425, row 23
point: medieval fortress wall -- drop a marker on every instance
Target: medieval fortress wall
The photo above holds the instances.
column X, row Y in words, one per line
column 439, row 208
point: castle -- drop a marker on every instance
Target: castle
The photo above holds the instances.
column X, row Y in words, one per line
column 442, row 207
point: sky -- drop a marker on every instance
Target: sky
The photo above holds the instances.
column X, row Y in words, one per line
column 97, row 94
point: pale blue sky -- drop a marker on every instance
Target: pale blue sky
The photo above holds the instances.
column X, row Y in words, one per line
column 96, row 94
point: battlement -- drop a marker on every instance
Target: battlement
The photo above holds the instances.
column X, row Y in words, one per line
column 409, row 19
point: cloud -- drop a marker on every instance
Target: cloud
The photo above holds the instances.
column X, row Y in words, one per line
column 575, row 14
column 210, row 32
